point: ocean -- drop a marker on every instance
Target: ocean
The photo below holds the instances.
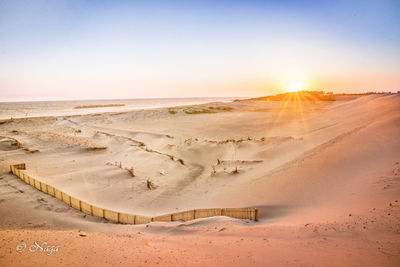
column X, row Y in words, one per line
column 63, row 108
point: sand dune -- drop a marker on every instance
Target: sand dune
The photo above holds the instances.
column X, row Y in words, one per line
column 324, row 174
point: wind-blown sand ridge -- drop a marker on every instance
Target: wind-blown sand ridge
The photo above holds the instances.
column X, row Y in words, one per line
column 324, row 175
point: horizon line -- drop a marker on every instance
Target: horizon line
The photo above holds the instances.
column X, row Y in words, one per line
column 193, row 97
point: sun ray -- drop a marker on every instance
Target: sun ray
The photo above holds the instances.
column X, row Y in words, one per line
column 299, row 102
column 287, row 100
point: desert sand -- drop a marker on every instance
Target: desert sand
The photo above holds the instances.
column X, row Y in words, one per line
column 325, row 176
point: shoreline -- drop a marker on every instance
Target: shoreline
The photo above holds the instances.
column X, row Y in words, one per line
column 125, row 108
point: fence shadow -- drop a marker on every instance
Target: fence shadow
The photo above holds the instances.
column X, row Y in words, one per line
column 119, row 217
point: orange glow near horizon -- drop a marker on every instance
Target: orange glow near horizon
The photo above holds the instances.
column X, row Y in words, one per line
column 293, row 103
column 293, row 85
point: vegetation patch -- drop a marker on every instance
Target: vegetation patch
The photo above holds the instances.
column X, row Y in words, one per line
column 221, row 108
column 171, row 111
column 198, row 111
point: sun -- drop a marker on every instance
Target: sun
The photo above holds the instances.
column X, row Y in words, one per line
column 295, row 86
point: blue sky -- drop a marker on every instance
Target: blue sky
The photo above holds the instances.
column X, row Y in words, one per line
column 127, row 49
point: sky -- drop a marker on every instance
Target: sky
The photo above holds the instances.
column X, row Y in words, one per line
column 67, row 49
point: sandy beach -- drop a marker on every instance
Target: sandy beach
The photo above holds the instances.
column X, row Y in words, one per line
column 200, row 133
column 324, row 175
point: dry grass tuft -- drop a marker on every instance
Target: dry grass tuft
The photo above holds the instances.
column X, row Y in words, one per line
column 96, row 148
column 131, row 171
column 150, row 185
column 214, row 171
column 235, row 171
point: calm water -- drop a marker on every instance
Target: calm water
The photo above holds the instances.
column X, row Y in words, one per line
column 60, row 108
